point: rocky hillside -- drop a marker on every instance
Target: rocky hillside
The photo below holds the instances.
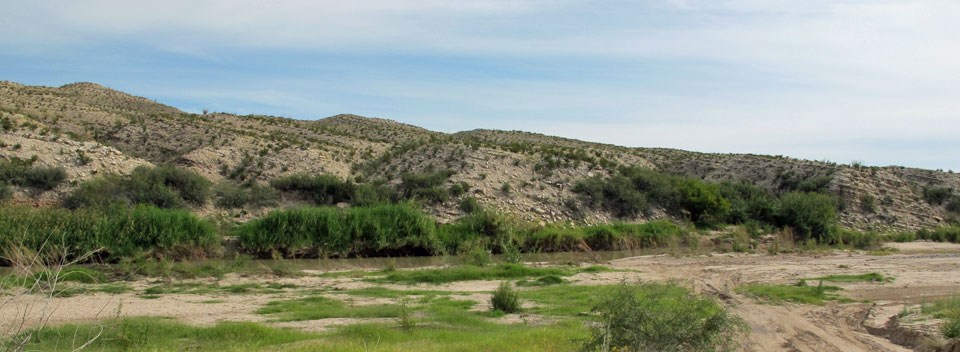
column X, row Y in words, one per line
column 92, row 130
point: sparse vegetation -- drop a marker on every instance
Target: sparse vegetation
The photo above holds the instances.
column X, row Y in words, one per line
column 657, row 317
column 505, row 299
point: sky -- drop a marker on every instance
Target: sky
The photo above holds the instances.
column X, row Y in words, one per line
column 875, row 82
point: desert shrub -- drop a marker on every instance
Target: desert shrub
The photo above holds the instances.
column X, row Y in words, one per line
column 657, row 317
column 425, row 186
column 505, row 299
column 616, row 194
column 322, row 189
column 99, row 192
column 24, row 173
column 702, row 201
column 811, row 215
column 940, row 234
column 114, row 233
column 162, row 187
column 953, row 205
column 748, row 203
column 868, row 203
column 937, row 195
column 374, row 193
column 469, row 205
column 388, row 229
column 5, row 192
column 230, row 195
column 188, row 185
column 459, row 188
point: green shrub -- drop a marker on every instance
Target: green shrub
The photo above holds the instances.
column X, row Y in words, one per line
column 375, row 193
column 953, row 205
column 469, row 205
column 655, row 317
column 703, row 201
column 230, row 195
column 426, row 187
column 940, row 234
column 24, row 173
column 937, row 195
column 5, row 192
column 188, row 185
column 811, row 215
column 505, row 299
column 322, row 189
column 748, row 203
column 162, row 187
column 459, row 188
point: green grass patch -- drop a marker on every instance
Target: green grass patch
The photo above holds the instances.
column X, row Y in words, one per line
column 319, row 307
column 160, row 334
column 470, row 272
column 792, row 293
column 198, row 288
column 868, row 277
column 381, row 292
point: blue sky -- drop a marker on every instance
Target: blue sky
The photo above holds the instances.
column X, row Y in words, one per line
column 845, row 80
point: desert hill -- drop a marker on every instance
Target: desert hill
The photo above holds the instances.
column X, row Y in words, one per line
column 92, row 130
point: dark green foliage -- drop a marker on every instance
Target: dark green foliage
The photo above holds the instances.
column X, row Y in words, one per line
column 188, row 185
column 749, row 203
column 505, row 299
column 868, row 203
column 627, row 194
column 703, row 202
column 937, row 195
column 322, row 189
column 230, row 195
column 811, row 215
column 657, row 317
column 792, row 181
column 427, row 186
column 5, row 192
column 459, row 188
column 115, row 233
column 953, row 205
column 162, row 187
column 389, row 229
column 615, row 194
column 940, row 234
column 469, row 205
column 374, row 193
column 24, row 173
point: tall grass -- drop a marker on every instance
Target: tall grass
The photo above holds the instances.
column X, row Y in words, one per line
column 113, row 233
column 390, row 229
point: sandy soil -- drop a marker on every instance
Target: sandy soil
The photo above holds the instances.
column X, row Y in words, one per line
column 922, row 272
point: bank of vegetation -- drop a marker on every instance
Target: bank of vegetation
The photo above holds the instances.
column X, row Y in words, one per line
column 147, row 213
